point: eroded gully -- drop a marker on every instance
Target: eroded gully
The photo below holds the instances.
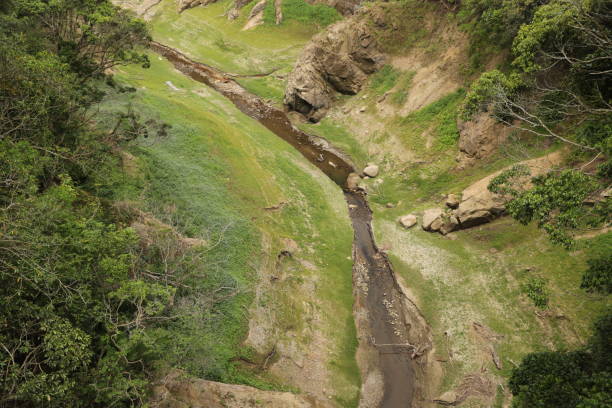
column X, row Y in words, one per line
column 385, row 356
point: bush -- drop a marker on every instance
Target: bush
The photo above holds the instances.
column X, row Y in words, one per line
column 598, row 276
column 576, row 379
column 535, row 289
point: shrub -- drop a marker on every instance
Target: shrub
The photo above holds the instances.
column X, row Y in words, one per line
column 535, row 289
column 598, row 276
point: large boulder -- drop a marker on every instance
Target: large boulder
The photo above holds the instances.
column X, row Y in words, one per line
column 432, row 219
column 337, row 60
column 371, row 170
column 408, row 221
column 479, row 205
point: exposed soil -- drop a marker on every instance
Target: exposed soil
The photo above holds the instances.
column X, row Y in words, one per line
column 388, row 360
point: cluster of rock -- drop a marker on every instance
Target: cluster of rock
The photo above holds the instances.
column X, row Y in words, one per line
column 477, row 205
column 436, row 219
column 353, row 182
column 336, row 60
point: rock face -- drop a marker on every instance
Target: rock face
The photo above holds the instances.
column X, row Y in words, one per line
column 371, row 170
column 256, row 16
column 336, row 60
column 408, row 221
column 480, row 137
column 178, row 391
column 187, row 4
column 344, row 7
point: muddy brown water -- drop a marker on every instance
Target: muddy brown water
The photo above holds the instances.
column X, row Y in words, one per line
column 382, row 297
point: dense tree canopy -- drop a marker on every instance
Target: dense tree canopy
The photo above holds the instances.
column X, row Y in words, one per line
column 577, row 379
column 72, row 299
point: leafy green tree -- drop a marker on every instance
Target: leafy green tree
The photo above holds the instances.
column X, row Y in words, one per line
column 576, row 379
column 556, row 201
column 92, row 36
column 598, row 276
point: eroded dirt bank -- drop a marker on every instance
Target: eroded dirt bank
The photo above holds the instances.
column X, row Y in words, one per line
column 394, row 340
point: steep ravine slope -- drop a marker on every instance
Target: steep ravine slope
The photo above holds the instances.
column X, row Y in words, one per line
column 386, row 319
column 469, row 284
column 301, row 331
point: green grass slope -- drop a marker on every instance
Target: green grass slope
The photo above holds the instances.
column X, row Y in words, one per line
column 212, row 177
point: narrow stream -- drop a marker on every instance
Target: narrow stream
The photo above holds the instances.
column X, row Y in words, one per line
column 376, row 290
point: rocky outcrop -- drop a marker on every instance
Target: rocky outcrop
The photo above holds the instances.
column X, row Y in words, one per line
column 187, row 4
column 234, row 12
column 179, row 391
column 336, row 60
column 256, row 17
column 478, row 205
column 480, row 138
column 344, row 7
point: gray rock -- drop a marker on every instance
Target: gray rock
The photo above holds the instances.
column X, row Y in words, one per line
column 371, row 170
column 352, row 181
column 452, row 201
column 408, row 221
column 449, row 224
column 432, row 219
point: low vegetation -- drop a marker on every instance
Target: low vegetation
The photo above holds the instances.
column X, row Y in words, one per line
column 567, row 379
column 319, row 15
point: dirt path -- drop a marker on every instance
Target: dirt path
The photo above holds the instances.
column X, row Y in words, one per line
column 386, row 358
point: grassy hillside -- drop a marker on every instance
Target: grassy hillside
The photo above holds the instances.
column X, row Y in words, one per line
column 213, row 176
